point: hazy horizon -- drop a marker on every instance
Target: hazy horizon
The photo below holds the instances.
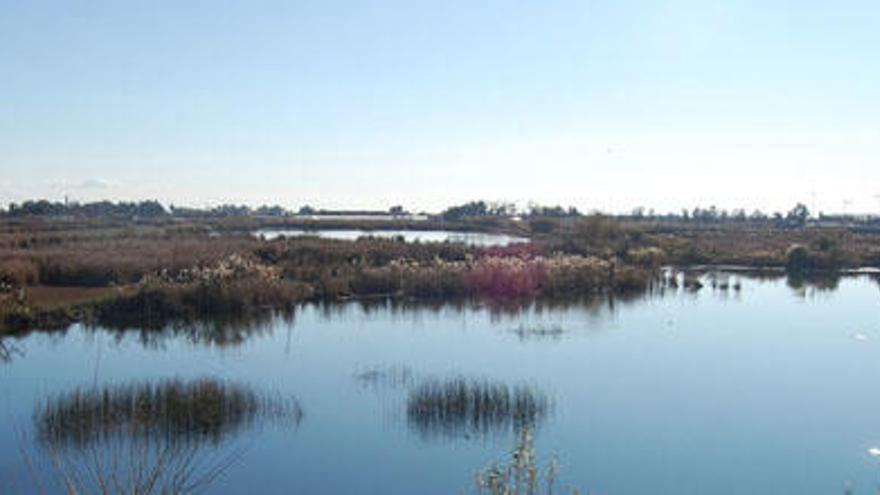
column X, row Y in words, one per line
column 599, row 105
column 519, row 207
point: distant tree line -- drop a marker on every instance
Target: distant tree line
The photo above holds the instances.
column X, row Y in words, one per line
column 394, row 211
column 142, row 209
column 796, row 217
column 484, row 209
column 154, row 209
column 478, row 209
column 552, row 211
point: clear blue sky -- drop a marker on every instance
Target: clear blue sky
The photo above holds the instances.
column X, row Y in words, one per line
column 607, row 105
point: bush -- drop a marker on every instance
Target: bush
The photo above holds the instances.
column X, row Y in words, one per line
column 17, row 272
column 800, row 259
column 507, row 277
column 233, row 287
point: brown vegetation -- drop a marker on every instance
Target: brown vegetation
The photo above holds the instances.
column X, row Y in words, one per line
column 199, row 411
column 148, row 437
column 147, row 274
column 470, row 408
column 825, row 248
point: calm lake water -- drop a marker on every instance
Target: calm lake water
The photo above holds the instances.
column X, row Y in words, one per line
column 472, row 238
column 767, row 390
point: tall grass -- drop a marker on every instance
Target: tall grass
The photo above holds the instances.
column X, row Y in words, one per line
column 100, row 262
column 503, row 278
column 147, row 438
column 154, row 265
column 171, row 411
column 235, row 287
column 460, row 407
column 242, row 286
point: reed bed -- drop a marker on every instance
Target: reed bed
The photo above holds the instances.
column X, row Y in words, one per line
column 146, row 438
column 503, row 278
column 165, row 272
column 193, row 279
column 462, row 407
column 233, row 288
column 170, row 411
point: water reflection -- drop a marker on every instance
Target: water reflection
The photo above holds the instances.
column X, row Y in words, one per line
column 596, row 305
column 385, row 378
column 151, row 438
column 220, row 332
column 434, row 236
column 538, row 332
column 463, row 408
column 8, row 350
column 231, row 332
column 803, row 284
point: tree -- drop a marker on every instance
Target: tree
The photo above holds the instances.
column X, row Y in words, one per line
column 471, row 209
column 797, row 216
column 758, row 216
column 271, row 211
column 553, row 211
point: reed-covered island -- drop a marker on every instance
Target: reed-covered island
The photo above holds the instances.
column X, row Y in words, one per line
column 141, row 267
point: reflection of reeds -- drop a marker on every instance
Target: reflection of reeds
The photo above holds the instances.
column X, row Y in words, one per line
column 172, row 411
column 216, row 331
column 461, row 407
column 6, row 351
column 150, row 438
column 595, row 305
column 538, row 332
column 818, row 281
column 394, row 377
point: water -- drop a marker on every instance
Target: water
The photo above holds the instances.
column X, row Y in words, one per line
column 472, row 238
column 767, row 390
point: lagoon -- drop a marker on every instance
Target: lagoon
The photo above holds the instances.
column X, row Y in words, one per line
column 769, row 389
column 470, row 238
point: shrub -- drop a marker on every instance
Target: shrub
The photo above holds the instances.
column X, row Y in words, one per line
column 505, row 277
column 17, row 272
column 233, row 287
column 800, row 258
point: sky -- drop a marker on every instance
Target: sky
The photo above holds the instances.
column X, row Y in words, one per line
column 604, row 105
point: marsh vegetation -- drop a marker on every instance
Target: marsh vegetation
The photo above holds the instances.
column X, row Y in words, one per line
column 164, row 271
column 465, row 408
column 147, row 438
column 171, row 411
column 522, row 472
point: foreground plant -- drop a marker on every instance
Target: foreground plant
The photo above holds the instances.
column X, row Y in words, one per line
column 522, row 474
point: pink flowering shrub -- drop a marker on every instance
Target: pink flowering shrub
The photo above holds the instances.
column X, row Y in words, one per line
column 506, row 277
